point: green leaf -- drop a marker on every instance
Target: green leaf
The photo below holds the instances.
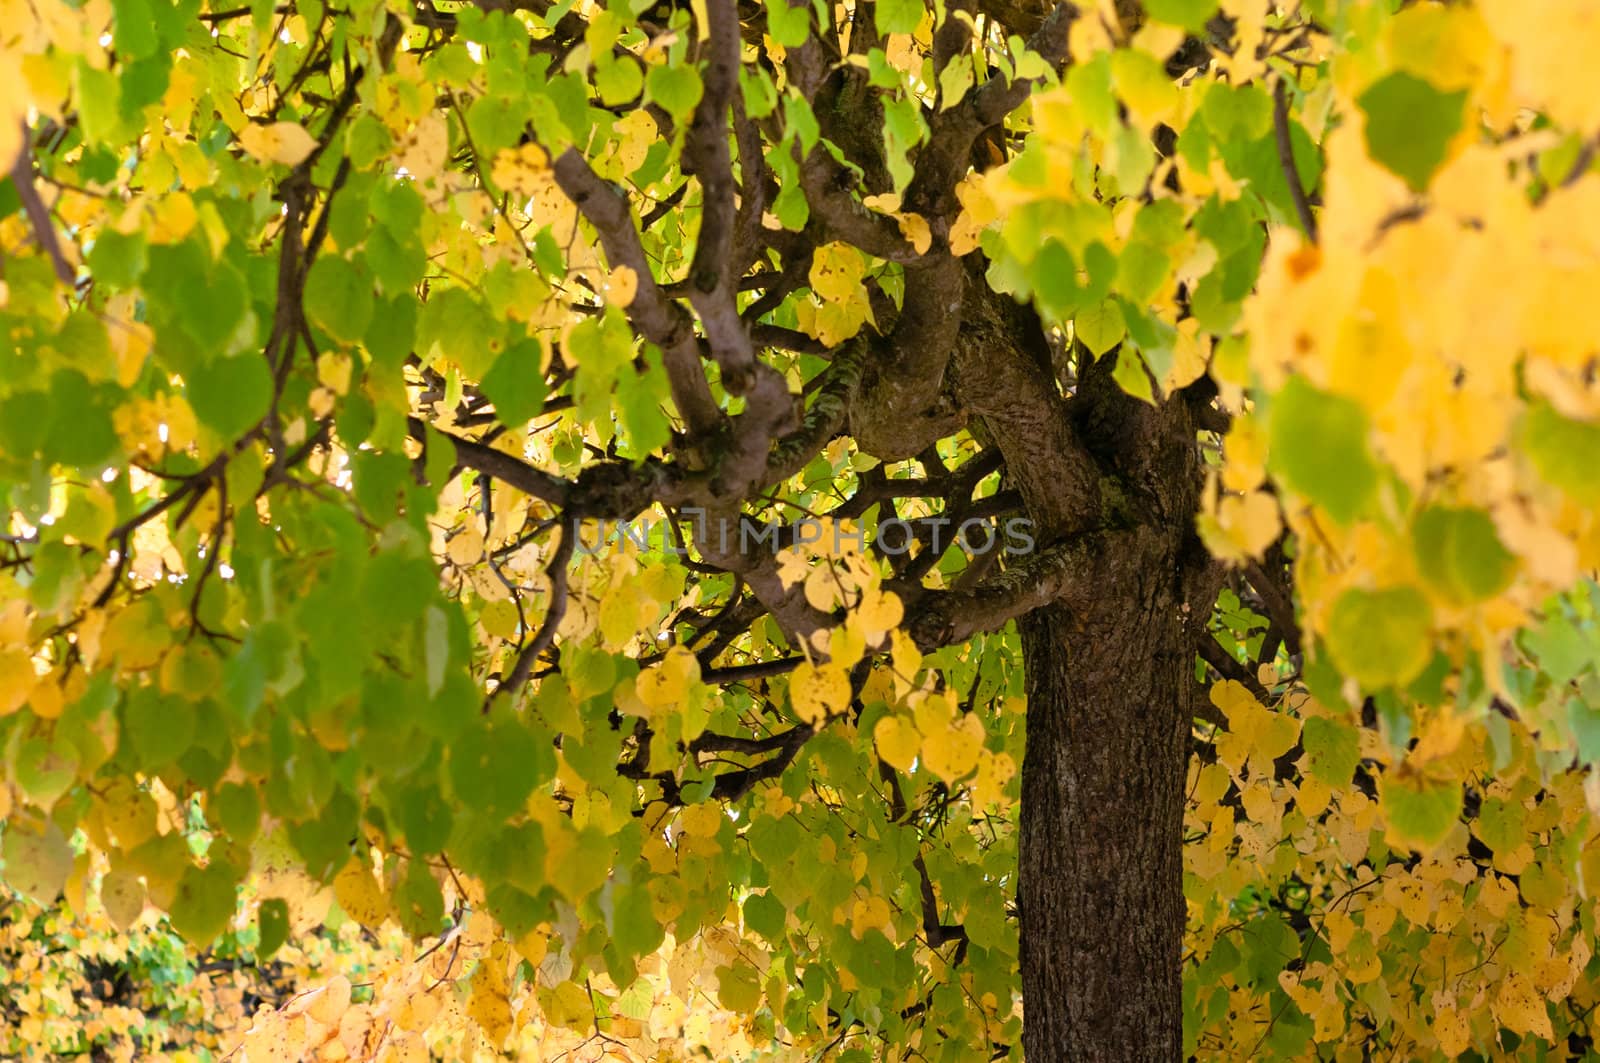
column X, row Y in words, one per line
column 1054, row 276
column 676, row 88
column 1562, row 651
column 639, row 399
column 789, row 23
column 159, row 728
column 134, row 32
column 1460, row 555
column 80, row 431
column 1333, row 750
column 1141, row 270
column 1419, row 813
column 272, row 923
column 418, row 904
column 1382, row 637
column 457, row 325
column 424, row 819
column 1562, row 451
column 1258, row 163
column 37, row 860
column 1500, row 824
column 634, row 926
column 515, row 383
column 207, row 300
column 116, row 260
column 1410, row 125
column 618, row 81
column 1319, row 448
column 231, row 395
column 765, row 914
column 324, row 842
column 204, row 903
column 1132, row 376
column 338, row 298
column 493, row 769
column 1241, row 112
column 1101, row 327
column 1267, row 945
column 237, row 809
column 496, row 122
column 46, row 770
column 435, row 647
column 1190, row 14
column 897, row 16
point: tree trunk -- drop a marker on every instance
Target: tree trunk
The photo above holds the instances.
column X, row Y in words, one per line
column 1101, row 884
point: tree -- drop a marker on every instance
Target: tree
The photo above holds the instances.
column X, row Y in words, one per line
column 608, row 482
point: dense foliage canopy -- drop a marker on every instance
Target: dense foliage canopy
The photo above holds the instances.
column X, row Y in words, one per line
column 512, row 516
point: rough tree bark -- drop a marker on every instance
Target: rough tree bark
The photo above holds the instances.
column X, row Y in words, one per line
column 1101, row 857
column 1110, row 678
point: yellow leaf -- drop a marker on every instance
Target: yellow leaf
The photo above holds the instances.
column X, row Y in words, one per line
column 333, row 371
column 122, row 893
column 130, row 340
column 667, row 684
column 426, row 150
column 490, row 1004
column 191, row 671
column 500, row 619
column 836, row 273
column 1450, row 1027
column 284, row 143
column 995, row 770
column 38, row 860
column 792, row 567
column 897, row 741
column 1519, row 1007
column 523, row 170
column 359, row 894
column 817, row 691
column 1313, row 796
column 466, row 546
column 906, row 659
column 878, row 613
column 418, row 1011
column 1250, row 522
column 624, row 285
column 635, row 134
column 17, row 679
column 568, row 1005
column 822, row 589
column 953, row 752
column 914, row 227
column 871, row 913
column 328, row 1004
column 702, row 820
column 13, row 109
column 534, row 945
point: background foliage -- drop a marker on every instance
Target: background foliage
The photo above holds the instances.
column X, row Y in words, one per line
column 318, row 321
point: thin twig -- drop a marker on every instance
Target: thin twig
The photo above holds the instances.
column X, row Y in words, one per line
column 1291, row 174
column 38, row 213
column 546, row 635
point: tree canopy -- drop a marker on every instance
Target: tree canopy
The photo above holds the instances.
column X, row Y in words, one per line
column 882, row 529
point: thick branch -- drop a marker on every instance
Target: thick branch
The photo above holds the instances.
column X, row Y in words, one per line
column 953, row 132
column 506, row 468
column 655, row 316
column 825, row 417
column 955, row 616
